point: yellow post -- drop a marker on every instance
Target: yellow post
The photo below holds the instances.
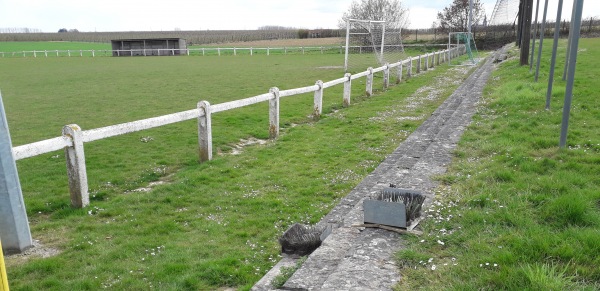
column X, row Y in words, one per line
column 3, row 278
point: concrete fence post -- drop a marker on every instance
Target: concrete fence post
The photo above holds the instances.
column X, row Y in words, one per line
column 419, row 64
column 409, row 71
column 426, row 62
column 204, row 132
column 76, row 171
column 347, row 89
column 399, row 74
column 274, row 113
column 386, row 76
column 14, row 226
column 369, row 85
column 318, row 101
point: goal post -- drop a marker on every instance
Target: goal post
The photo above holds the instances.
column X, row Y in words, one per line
column 465, row 42
column 371, row 43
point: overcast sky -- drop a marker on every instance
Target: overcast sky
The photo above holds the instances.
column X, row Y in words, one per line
column 127, row 15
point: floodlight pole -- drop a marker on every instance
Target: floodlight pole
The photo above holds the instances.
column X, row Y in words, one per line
column 554, row 50
column 470, row 16
column 14, row 226
column 574, row 46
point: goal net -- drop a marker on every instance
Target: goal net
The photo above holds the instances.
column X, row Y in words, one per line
column 466, row 45
column 370, row 43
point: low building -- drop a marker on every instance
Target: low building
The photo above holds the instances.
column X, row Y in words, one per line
column 149, row 47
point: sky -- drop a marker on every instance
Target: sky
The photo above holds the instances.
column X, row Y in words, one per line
column 144, row 15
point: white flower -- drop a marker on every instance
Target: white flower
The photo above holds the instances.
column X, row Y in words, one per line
column 440, row 242
column 433, row 267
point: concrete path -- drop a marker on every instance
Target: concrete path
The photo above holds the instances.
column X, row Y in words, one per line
column 354, row 258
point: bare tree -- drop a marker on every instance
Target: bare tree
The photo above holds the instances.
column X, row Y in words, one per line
column 456, row 16
column 390, row 11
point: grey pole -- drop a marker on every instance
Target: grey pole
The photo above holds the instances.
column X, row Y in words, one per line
column 470, row 16
column 537, row 9
column 578, row 6
column 554, row 49
column 14, row 227
column 564, row 77
column 539, row 57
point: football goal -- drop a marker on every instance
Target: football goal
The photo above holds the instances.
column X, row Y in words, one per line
column 369, row 43
column 463, row 41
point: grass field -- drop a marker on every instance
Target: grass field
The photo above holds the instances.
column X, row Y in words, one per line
column 515, row 212
column 207, row 225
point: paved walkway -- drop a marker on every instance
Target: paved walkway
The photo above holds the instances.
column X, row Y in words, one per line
column 354, row 258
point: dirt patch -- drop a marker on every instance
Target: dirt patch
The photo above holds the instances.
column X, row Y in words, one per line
column 238, row 148
column 37, row 251
column 331, row 67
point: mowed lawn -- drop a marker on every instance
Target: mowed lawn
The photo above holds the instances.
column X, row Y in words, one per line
column 208, row 225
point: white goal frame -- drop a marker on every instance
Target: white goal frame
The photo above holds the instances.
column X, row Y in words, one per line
column 348, row 33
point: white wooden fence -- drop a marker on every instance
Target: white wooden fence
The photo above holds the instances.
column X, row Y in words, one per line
column 73, row 137
column 193, row 51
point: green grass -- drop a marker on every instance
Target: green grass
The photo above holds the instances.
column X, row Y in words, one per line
column 514, row 211
column 16, row 46
column 210, row 225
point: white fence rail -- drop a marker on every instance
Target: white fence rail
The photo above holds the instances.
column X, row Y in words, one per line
column 194, row 51
column 73, row 137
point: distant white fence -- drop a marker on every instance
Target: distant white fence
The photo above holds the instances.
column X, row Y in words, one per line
column 195, row 51
column 73, row 137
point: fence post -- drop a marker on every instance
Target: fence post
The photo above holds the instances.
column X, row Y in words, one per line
column 369, row 89
column 76, row 171
column 386, row 76
column 427, row 62
column 419, row 64
column 399, row 74
column 409, row 72
column 274, row 113
column 204, row 132
column 318, row 101
column 93, row 54
column 268, row 51
column 347, row 89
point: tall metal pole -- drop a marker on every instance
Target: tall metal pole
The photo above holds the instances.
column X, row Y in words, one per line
column 537, row 8
column 539, row 57
column 554, row 50
column 470, row 16
column 564, row 77
column 578, row 7
column 526, row 35
column 14, row 227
